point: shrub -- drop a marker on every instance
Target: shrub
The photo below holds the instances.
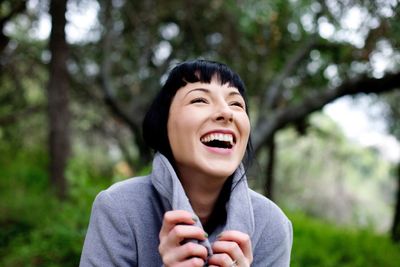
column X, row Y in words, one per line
column 321, row 244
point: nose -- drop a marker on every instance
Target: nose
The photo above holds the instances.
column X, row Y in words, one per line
column 223, row 113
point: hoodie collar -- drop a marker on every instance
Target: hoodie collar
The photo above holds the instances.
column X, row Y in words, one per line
column 240, row 215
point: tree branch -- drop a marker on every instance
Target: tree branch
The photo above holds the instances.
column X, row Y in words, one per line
column 274, row 91
column 108, row 90
column 265, row 128
column 104, row 77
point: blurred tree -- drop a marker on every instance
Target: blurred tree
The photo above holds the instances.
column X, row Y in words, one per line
column 21, row 74
column 396, row 217
column 392, row 115
column 8, row 12
column 326, row 176
column 58, row 99
column 295, row 56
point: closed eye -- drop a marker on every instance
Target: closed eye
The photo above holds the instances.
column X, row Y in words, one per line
column 199, row 100
column 238, row 104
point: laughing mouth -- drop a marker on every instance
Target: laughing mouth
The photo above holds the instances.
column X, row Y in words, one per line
column 218, row 140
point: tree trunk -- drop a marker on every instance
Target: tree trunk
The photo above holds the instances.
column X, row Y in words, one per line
column 270, row 178
column 57, row 89
column 396, row 220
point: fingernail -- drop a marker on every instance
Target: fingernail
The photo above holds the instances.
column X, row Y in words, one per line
column 219, row 236
column 194, row 218
column 205, row 235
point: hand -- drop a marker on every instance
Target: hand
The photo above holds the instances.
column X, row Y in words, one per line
column 177, row 226
column 233, row 248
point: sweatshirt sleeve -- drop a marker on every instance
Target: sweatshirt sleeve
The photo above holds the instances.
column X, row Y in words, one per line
column 274, row 246
column 109, row 240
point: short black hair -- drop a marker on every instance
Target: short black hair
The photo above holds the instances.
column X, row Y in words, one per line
column 155, row 133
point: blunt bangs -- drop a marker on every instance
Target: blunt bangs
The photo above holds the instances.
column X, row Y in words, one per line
column 203, row 71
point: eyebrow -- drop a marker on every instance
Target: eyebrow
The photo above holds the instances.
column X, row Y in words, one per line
column 198, row 89
column 208, row 91
column 235, row 93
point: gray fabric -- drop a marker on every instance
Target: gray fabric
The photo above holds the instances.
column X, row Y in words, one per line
column 126, row 220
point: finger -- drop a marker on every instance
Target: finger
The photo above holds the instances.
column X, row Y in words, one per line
column 185, row 252
column 173, row 217
column 232, row 249
column 178, row 234
column 191, row 250
column 221, row 259
column 193, row 262
column 242, row 239
column 181, row 232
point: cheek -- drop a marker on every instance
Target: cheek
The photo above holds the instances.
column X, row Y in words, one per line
column 245, row 126
column 178, row 130
column 171, row 129
column 173, row 133
column 177, row 125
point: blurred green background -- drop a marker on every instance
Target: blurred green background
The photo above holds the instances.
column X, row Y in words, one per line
column 77, row 76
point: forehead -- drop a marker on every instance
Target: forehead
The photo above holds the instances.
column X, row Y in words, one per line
column 214, row 87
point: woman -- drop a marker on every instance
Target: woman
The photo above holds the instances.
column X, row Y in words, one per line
column 195, row 208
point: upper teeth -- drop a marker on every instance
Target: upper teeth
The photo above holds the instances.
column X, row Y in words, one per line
column 219, row 137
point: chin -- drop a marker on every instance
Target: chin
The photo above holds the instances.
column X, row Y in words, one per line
column 221, row 173
column 220, row 169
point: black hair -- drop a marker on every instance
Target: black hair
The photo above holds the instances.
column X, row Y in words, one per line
column 155, row 132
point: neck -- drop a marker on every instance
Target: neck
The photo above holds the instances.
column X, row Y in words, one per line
column 202, row 191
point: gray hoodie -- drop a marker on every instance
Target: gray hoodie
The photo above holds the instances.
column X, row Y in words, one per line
column 126, row 220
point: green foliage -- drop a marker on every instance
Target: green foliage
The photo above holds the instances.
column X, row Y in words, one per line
column 54, row 240
column 38, row 230
column 321, row 244
column 35, row 228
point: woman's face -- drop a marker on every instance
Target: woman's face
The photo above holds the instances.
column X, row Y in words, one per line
column 208, row 129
